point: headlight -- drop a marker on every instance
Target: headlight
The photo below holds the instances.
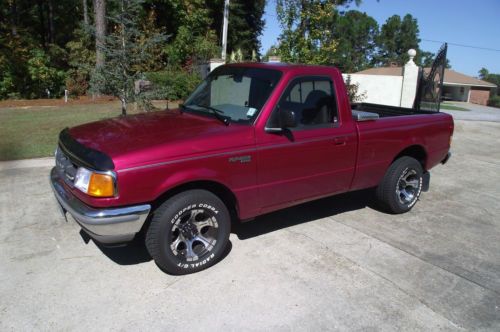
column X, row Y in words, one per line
column 94, row 184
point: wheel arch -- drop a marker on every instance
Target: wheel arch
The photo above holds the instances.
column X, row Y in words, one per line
column 218, row 189
column 416, row 151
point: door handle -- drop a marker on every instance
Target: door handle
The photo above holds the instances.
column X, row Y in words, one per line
column 340, row 140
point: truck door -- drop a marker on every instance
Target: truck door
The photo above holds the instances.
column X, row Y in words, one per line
column 314, row 159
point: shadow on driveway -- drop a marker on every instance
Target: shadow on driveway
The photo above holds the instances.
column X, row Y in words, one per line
column 136, row 252
column 131, row 253
column 304, row 213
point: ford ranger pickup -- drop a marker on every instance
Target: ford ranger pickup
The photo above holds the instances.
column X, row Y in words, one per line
column 251, row 139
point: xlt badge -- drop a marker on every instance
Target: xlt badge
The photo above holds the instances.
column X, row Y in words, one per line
column 241, row 159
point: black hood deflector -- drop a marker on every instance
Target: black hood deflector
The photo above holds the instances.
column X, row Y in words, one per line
column 82, row 155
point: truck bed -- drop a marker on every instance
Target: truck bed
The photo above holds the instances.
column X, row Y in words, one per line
column 384, row 111
column 384, row 131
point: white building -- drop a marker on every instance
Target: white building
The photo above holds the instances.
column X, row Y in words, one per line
column 456, row 86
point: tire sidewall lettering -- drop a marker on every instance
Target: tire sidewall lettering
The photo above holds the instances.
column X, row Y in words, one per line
column 205, row 206
column 209, row 208
column 198, row 264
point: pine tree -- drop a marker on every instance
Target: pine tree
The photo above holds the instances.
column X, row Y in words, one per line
column 246, row 24
column 355, row 33
column 397, row 36
column 124, row 52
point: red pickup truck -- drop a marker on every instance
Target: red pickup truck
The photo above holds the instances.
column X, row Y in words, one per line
column 251, row 139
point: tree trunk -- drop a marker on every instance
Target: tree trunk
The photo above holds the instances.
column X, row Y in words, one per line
column 303, row 21
column 124, row 106
column 125, row 95
column 13, row 17
column 100, row 30
column 85, row 13
column 51, row 22
column 42, row 23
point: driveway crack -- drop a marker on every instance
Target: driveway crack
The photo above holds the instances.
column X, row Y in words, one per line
column 421, row 301
column 420, row 258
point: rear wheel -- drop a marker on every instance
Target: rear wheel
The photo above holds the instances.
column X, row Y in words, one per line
column 401, row 186
column 188, row 232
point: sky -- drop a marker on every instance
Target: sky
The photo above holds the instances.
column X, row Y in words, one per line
column 475, row 23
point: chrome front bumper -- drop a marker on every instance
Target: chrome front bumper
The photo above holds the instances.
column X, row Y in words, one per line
column 113, row 225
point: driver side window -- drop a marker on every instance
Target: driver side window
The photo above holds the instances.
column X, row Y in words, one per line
column 311, row 100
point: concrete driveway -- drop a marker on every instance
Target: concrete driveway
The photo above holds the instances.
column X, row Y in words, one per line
column 335, row 264
column 476, row 113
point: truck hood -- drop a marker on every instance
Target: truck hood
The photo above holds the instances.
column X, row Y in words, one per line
column 154, row 137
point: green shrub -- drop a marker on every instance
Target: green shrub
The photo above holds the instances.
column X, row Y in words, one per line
column 81, row 59
column 173, row 84
column 77, row 82
column 494, row 101
column 43, row 75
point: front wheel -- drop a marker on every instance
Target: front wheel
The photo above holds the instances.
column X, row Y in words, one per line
column 189, row 232
column 401, row 186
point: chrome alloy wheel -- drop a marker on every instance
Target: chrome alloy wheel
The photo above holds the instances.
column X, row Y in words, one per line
column 194, row 234
column 408, row 186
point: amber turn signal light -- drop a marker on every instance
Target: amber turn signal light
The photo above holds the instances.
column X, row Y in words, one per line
column 101, row 185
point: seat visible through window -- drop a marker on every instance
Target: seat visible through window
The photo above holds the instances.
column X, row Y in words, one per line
column 311, row 100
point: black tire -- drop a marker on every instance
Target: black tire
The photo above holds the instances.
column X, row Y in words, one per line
column 401, row 186
column 189, row 232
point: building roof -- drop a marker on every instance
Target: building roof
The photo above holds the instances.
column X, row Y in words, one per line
column 450, row 76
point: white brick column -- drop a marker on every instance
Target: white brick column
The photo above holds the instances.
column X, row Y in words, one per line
column 410, row 80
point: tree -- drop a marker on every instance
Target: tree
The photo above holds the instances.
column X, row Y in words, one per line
column 485, row 75
column 13, row 16
column 306, row 37
column 427, row 58
column 81, row 59
column 395, row 39
column 100, row 31
column 201, row 21
column 272, row 51
column 14, row 54
column 194, row 40
column 123, row 50
column 355, row 33
column 355, row 96
column 85, row 13
column 29, row 65
column 156, row 59
column 53, row 30
column 45, row 78
column 245, row 26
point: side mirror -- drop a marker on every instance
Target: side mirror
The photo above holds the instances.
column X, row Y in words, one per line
column 287, row 119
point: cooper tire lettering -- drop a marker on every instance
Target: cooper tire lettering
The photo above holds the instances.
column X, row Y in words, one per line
column 188, row 232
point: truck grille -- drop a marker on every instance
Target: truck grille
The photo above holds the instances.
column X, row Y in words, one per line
column 65, row 168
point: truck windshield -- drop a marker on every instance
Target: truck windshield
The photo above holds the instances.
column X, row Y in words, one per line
column 236, row 94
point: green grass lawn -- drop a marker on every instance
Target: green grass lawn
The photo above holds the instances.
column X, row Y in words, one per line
column 32, row 131
column 446, row 106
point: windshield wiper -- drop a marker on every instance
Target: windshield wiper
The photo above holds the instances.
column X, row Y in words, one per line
column 184, row 107
column 217, row 113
